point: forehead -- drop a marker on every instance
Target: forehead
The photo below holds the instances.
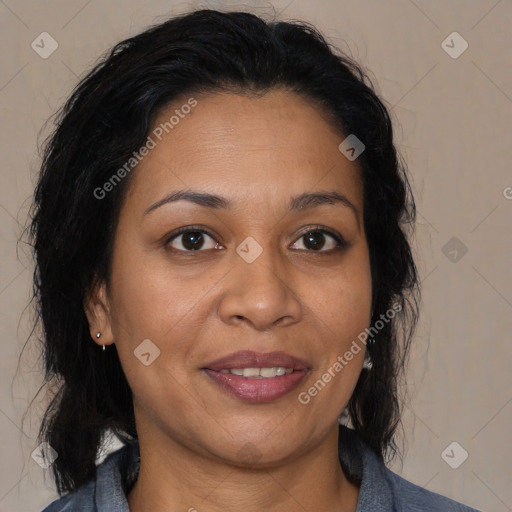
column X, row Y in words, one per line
column 264, row 148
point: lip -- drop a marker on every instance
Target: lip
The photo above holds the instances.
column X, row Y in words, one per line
column 257, row 390
column 251, row 359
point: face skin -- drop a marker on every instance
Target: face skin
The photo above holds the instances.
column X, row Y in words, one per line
column 201, row 446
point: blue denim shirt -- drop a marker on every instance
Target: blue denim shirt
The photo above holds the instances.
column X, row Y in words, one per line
column 381, row 490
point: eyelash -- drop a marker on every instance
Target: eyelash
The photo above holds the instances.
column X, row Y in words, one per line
column 340, row 241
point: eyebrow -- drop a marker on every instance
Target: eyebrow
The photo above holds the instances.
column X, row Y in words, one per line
column 212, row 201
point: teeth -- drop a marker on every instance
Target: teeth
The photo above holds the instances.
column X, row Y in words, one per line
column 260, row 373
column 270, row 372
column 251, row 372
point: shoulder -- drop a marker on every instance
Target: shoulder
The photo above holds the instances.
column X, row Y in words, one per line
column 107, row 490
column 412, row 497
column 81, row 499
column 382, row 490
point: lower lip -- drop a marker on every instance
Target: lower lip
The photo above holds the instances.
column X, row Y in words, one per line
column 257, row 390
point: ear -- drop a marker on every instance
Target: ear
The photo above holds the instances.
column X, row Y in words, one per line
column 97, row 310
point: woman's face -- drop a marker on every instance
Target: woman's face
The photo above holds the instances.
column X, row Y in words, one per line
column 257, row 291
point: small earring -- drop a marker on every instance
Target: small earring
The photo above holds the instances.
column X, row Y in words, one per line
column 98, row 335
column 367, row 365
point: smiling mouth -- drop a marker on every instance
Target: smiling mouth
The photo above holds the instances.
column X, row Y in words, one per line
column 255, row 376
column 259, row 373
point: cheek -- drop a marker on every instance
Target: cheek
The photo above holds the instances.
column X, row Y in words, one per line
column 344, row 313
column 150, row 297
column 158, row 314
column 348, row 303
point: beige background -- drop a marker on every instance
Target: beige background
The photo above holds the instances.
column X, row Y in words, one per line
column 453, row 121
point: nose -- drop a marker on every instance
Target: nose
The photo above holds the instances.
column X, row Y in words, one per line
column 260, row 293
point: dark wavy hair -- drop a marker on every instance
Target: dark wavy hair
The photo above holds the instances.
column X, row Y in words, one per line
column 107, row 118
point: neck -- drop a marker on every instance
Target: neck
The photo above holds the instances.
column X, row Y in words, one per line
column 174, row 477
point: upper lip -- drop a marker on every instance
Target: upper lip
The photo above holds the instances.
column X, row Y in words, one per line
column 250, row 359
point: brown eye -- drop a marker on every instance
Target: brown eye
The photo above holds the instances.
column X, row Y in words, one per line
column 316, row 240
column 188, row 240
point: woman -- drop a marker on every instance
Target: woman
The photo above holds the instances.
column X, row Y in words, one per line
column 223, row 273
